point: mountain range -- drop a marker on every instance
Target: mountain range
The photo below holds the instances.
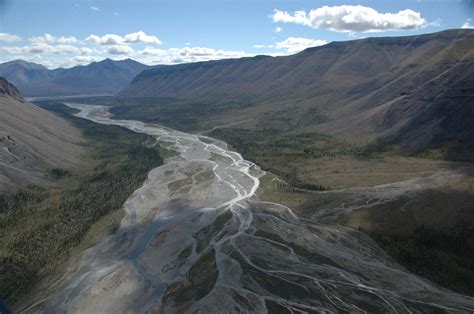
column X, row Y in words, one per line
column 417, row 91
column 106, row 76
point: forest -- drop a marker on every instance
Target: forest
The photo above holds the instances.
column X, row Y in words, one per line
column 40, row 227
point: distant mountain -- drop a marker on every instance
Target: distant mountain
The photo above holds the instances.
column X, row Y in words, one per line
column 415, row 90
column 32, row 140
column 106, row 76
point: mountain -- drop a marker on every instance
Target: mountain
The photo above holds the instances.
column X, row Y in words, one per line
column 32, row 141
column 416, row 91
column 106, row 76
column 8, row 89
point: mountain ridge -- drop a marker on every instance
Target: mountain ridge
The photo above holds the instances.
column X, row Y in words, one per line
column 106, row 76
column 32, row 141
column 383, row 88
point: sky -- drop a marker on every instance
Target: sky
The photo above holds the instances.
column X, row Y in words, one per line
column 66, row 33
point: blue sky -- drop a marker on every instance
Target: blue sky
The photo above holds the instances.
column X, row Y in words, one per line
column 67, row 33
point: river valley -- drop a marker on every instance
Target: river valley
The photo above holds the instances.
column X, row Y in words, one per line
column 197, row 238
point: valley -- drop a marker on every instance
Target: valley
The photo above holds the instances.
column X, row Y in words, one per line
column 220, row 245
column 338, row 179
column 45, row 226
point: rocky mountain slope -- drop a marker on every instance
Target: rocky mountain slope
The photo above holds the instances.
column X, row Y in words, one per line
column 417, row 91
column 32, row 141
column 106, row 76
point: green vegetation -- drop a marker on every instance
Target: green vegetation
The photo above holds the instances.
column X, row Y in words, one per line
column 174, row 113
column 58, row 173
column 40, row 228
column 274, row 307
column 270, row 282
column 301, row 251
column 289, row 146
column 445, row 256
column 200, row 281
column 178, row 184
column 281, row 152
column 205, row 235
column 316, row 161
column 454, row 152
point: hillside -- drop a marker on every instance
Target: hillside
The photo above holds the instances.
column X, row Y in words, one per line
column 49, row 222
column 32, row 141
column 414, row 91
column 106, row 76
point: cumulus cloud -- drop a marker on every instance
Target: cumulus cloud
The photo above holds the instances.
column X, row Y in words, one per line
column 141, row 37
column 352, row 18
column 467, row 24
column 53, row 51
column 66, row 40
column 120, row 50
column 293, row 45
column 11, row 50
column 41, row 48
column 297, row 44
column 93, row 8
column 132, row 38
column 108, row 39
column 152, row 55
column 278, row 29
column 9, row 38
column 49, row 39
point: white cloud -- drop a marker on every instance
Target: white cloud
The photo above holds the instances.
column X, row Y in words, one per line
column 59, row 51
column 37, row 48
column 467, row 24
column 141, row 37
column 352, row 18
column 152, row 55
column 93, row 8
column 66, row 40
column 278, row 29
column 42, row 48
column 120, row 50
column 293, row 45
column 297, row 44
column 108, row 39
column 45, row 39
column 12, row 50
column 132, row 38
column 9, row 38
column 49, row 39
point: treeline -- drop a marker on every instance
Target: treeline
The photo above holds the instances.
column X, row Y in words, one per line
column 281, row 151
column 265, row 142
column 445, row 256
column 39, row 227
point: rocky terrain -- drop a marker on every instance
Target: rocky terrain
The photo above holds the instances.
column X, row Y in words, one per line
column 32, row 141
